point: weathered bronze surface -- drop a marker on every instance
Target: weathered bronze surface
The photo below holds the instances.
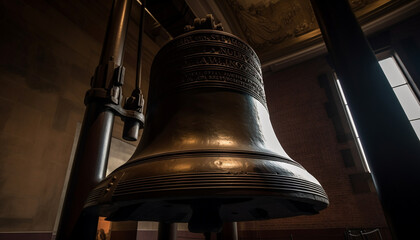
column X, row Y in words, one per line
column 208, row 153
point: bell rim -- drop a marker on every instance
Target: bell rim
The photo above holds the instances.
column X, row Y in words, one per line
column 251, row 199
column 122, row 189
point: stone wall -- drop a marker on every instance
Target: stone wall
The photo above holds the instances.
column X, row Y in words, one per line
column 49, row 52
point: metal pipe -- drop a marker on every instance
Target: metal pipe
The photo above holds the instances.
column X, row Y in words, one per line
column 135, row 101
column 113, row 47
column 167, row 231
column 229, row 231
column 91, row 158
column 140, row 44
column 391, row 145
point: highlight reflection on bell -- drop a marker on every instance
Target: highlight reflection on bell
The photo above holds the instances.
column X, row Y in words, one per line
column 208, row 153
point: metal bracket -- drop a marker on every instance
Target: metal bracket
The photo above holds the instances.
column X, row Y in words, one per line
column 113, row 77
column 133, row 103
column 111, row 96
column 126, row 114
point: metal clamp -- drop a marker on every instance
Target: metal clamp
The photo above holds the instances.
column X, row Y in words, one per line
column 111, row 95
column 134, row 103
column 113, row 77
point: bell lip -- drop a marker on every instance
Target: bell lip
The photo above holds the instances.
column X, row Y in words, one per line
column 301, row 206
column 212, row 167
column 131, row 188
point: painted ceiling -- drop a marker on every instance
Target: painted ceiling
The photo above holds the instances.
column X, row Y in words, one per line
column 280, row 27
column 278, row 30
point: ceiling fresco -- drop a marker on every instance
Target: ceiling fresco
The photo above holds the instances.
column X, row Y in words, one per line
column 282, row 32
column 268, row 22
column 280, row 27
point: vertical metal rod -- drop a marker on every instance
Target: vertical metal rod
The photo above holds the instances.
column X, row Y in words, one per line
column 91, row 158
column 135, row 101
column 391, row 145
column 113, row 48
column 139, row 44
column 167, row 231
column 229, row 231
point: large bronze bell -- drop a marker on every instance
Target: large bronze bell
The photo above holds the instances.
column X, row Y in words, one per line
column 208, row 153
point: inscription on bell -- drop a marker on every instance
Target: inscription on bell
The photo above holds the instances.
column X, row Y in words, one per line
column 225, row 51
column 210, row 37
column 242, row 83
column 216, row 60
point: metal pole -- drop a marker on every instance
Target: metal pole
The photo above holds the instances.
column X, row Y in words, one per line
column 229, row 231
column 90, row 162
column 135, row 102
column 167, row 231
column 140, row 44
column 391, row 145
column 113, row 48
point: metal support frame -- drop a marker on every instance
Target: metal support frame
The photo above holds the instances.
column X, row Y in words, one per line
column 91, row 158
column 391, row 145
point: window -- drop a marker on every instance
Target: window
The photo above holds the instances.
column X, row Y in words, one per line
column 352, row 126
column 404, row 92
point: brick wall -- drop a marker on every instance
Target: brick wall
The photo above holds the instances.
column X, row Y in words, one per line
column 296, row 102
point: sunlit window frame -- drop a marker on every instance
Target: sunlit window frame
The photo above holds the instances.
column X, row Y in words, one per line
column 353, row 128
column 409, row 82
column 414, row 88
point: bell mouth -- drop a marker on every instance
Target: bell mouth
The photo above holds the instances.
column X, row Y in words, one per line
column 208, row 189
